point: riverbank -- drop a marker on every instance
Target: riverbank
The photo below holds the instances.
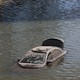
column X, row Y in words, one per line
column 15, row 10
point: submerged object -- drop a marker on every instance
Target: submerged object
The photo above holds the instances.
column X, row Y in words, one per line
column 51, row 50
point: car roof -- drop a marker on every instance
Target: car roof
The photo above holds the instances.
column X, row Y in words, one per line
column 45, row 49
column 42, row 49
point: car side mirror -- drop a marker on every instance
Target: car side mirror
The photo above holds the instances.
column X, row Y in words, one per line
column 49, row 63
column 18, row 59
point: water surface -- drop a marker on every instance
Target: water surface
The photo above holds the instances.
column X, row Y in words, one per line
column 18, row 37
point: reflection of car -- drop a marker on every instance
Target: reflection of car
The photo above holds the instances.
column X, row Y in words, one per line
column 40, row 56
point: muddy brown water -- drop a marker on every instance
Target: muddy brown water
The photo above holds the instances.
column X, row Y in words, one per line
column 18, row 37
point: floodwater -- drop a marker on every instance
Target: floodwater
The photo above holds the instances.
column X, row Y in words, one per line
column 18, row 37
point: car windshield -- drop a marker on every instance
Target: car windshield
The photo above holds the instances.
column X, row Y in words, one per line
column 34, row 58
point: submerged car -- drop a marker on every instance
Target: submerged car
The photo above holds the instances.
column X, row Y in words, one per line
column 51, row 50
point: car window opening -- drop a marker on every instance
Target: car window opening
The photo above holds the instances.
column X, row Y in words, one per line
column 36, row 59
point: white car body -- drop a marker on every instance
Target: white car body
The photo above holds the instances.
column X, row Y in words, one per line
column 46, row 53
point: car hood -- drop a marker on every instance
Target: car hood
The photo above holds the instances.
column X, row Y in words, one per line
column 31, row 65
